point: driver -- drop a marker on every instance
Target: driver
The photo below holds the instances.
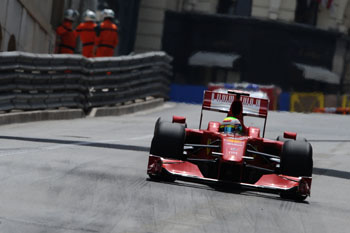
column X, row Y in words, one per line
column 231, row 125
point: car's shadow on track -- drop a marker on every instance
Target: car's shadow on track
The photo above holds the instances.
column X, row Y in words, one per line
column 331, row 172
column 80, row 143
column 328, row 140
column 230, row 190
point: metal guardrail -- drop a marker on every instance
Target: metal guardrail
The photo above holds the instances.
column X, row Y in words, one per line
column 48, row 81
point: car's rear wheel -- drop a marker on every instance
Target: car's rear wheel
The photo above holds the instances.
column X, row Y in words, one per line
column 168, row 140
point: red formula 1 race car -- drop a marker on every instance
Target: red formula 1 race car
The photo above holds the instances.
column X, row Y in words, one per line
column 230, row 153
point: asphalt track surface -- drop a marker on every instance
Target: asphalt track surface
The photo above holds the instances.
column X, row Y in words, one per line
column 89, row 175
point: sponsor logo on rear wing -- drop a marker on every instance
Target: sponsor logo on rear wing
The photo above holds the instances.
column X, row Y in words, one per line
column 221, row 102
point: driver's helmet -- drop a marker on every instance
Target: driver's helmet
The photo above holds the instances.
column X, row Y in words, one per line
column 231, row 125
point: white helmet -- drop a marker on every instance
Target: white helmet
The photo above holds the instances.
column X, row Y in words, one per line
column 89, row 15
column 71, row 14
column 108, row 13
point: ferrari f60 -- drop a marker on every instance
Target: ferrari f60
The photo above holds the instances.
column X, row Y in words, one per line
column 245, row 159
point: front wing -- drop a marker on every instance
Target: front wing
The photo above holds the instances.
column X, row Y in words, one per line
column 188, row 171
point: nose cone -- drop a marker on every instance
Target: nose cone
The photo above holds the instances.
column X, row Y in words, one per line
column 233, row 149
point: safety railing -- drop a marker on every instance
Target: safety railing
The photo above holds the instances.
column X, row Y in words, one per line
column 48, row 81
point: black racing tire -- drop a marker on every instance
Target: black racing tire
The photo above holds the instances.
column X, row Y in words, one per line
column 296, row 159
column 280, row 138
column 283, row 139
column 157, row 124
column 168, row 140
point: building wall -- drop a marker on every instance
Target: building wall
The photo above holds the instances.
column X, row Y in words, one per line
column 207, row 6
column 151, row 19
column 274, row 9
column 335, row 17
column 32, row 23
column 150, row 25
column 347, row 17
column 28, row 21
column 151, row 15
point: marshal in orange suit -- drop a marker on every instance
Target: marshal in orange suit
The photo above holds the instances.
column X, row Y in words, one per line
column 108, row 35
column 66, row 35
column 87, row 34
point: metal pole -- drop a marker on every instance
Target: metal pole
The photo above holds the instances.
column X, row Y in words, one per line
column 264, row 127
column 200, row 121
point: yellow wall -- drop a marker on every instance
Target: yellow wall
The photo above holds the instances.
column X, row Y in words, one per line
column 346, row 101
column 306, row 102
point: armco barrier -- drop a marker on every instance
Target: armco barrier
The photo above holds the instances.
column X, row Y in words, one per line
column 346, row 101
column 344, row 111
column 48, row 81
column 331, row 107
column 306, row 102
column 330, row 100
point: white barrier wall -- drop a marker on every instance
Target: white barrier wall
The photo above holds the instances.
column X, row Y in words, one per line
column 151, row 19
column 335, row 16
column 274, row 9
column 32, row 23
column 28, row 22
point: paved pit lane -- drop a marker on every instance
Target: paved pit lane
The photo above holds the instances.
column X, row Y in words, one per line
column 89, row 175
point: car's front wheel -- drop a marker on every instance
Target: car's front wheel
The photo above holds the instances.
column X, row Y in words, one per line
column 168, row 140
column 296, row 160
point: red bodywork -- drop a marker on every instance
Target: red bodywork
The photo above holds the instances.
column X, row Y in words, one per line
column 228, row 158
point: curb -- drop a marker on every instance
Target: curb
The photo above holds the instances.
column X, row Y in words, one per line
column 24, row 117
column 126, row 109
column 69, row 114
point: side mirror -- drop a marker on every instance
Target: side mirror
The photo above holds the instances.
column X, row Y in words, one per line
column 179, row 119
column 290, row 135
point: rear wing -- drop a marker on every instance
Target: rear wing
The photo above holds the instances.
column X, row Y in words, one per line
column 221, row 102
